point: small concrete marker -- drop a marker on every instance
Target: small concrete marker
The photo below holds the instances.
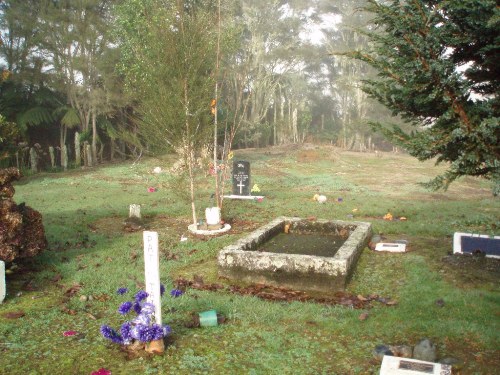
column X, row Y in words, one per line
column 391, row 247
column 406, row 366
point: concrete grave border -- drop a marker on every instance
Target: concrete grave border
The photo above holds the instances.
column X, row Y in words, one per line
column 241, row 261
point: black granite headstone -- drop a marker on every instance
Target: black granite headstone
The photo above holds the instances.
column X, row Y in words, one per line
column 241, row 178
column 476, row 245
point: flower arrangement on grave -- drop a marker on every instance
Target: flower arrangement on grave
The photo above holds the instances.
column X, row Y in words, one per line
column 140, row 332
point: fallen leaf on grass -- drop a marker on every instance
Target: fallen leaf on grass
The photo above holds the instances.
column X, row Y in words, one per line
column 14, row 314
column 73, row 290
column 363, row 316
column 68, row 311
column 102, row 297
column 91, row 316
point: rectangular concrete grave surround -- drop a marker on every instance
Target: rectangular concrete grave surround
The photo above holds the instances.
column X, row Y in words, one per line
column 326, row 275
column 406, row 366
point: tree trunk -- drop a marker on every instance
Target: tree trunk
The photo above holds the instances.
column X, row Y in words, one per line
column 64, row 157
column 94, row 137
column 78, row 157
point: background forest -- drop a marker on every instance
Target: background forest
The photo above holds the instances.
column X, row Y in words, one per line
column 101, row 72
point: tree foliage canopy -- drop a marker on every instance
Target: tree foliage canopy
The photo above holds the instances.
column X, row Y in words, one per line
column 438, row 69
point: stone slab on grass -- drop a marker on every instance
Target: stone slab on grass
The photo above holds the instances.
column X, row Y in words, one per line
column 406, row 366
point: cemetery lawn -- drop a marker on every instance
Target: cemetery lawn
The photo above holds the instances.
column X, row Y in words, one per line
column 452, row 300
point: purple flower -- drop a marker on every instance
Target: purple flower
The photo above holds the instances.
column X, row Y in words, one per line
column 162, row 290
column 125, row 330
column 122, row 291
column 137, row 308
column 110, row 334
column 148, row 308
column 142, row 319
column 176, row 293
column 125, row 307
column 166, row 330
column 142, row 333
column 157, row 331
column 141, row 294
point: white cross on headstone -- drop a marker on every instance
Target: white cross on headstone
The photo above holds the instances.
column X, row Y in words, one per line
column 152, row 271
column 241, row 186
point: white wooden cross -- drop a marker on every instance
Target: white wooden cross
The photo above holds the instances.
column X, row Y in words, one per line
column 152, row 272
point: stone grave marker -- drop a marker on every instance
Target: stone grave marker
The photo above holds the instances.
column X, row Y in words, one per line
column 406, row 366
column 471, row 243
column 241, row 178
column 3, row 287
column 152, row 271
column 134, row 211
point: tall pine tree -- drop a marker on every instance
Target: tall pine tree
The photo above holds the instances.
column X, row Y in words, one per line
column 438, row 69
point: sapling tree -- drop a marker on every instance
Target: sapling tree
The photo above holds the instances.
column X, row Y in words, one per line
column 168, row 59
column 438, row 69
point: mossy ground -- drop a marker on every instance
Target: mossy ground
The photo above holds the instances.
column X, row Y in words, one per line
column 90, row 254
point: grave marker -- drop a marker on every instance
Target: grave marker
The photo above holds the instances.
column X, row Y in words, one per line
column 470, row 243
column 152, row 271
column 399, row 366
column 391, row 247
column 3, row 288
column 134, row 211
column 241, row 178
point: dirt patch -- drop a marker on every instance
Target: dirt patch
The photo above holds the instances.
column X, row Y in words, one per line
column 471, row 271
column 116, row 225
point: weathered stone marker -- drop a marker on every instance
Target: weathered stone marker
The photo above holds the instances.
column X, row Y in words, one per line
column 152, row 271
column 3, row 288
column 134, row 211
column 241, row 178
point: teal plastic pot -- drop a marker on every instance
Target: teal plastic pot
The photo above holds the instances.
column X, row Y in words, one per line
column 208, row 318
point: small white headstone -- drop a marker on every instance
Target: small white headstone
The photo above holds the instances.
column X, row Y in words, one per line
column 391, row 247
column 406, row 366
column 212, row 215
column 3, row 287
column 152, row 271
column 135, row 211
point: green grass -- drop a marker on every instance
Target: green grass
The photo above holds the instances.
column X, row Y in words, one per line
column 83, row 215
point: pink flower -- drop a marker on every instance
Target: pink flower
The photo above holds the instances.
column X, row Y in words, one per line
column 151, row 189
column 101, row 371
column 70, row 333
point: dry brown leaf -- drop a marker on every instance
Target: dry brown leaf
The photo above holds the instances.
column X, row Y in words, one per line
column 363, row 316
